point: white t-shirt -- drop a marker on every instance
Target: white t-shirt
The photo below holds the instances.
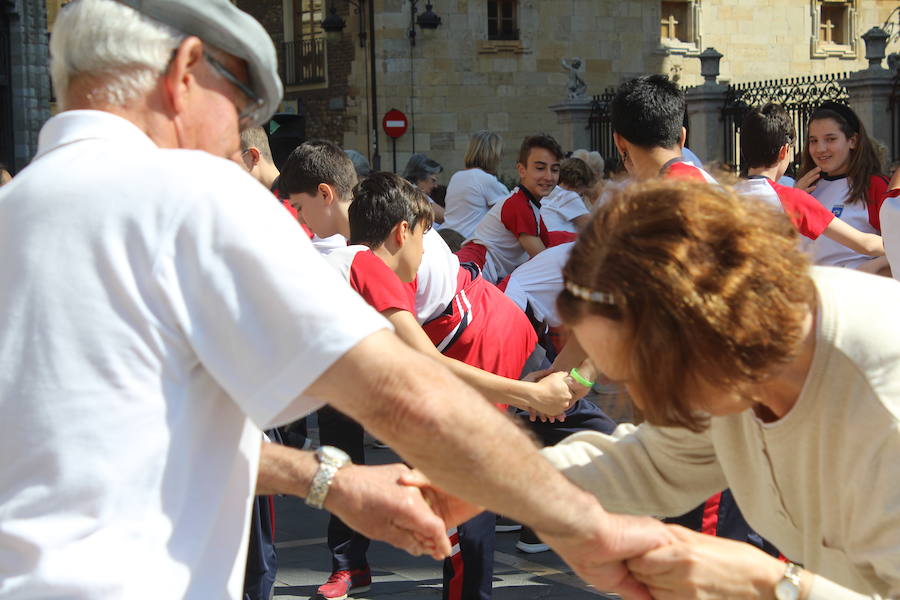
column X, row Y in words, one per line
column 890, row 229
column 156, row 310
column 436, row 278
column 327, row 245
column 832, row 194
column 496, row 232
column 539, row 282
column 470, row 194
column 560, row 209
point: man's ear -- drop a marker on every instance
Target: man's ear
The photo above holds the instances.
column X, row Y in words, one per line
column 253, row 155
column 783, row 152
column 619, row 142
column 400, row 233
column 520, row 168
column 328, row 193
column 682, row 138
column 180, row 77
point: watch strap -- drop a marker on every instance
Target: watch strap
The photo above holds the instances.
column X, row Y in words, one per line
column 322, row 480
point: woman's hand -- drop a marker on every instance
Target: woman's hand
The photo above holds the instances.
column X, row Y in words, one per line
column 696, row 565
column 807, row 183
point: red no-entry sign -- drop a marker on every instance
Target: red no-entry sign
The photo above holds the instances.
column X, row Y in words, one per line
column 395, row 123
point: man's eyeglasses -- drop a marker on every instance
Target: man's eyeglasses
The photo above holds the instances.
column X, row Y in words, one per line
column 249, row 115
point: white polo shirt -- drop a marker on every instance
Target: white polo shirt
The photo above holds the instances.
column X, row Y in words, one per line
column 436, row 279
column 156, row 310
column 890, row 229
column 560, row 209
column 470, row 195
column 539, row 282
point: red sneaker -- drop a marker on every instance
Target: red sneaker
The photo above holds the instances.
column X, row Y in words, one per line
column 343, row 583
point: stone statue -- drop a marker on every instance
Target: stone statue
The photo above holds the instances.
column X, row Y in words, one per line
column 576, row 86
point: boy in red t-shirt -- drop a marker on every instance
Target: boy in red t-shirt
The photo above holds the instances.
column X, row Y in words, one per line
column 386, row 247
column 767, row 138
column 647, row 116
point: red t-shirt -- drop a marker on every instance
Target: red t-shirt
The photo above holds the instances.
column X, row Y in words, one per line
column 682, row 170
column 808, row 216
column 521, row 216
column 372, row 279
column 483, row 328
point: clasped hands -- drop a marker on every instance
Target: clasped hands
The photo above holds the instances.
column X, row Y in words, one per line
column 636, row 557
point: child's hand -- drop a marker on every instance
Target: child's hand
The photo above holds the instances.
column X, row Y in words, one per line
column 807, row 183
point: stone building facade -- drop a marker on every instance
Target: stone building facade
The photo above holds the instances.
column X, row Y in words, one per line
column 24, row 79
column 496, row 64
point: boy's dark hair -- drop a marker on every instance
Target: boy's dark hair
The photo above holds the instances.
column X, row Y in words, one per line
column 649, row 112
column 315, row 162
column 541, row 140
column 381, row 201
column 453, row 239
column 763, row 132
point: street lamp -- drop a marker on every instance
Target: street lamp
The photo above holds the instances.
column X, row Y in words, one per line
column 333, row 25
column 428, row 20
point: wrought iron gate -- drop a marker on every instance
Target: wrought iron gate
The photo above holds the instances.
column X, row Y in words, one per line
column 799, row 95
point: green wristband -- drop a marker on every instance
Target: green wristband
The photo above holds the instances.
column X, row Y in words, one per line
column 574, row 374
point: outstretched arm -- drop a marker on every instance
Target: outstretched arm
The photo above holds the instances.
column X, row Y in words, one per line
column 370, row 500
column 551, row 396
column 440, row 425
column 532, row 244
column 848, row 235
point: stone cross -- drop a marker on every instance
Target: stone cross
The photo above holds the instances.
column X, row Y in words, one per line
column 827, row 31
column 668, row 29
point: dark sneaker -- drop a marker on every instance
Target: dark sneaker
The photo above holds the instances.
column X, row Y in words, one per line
column 529, row 542
column 503, row 525
column 343, row 583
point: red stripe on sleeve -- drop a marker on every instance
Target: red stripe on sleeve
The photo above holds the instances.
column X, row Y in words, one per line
column 711, row 515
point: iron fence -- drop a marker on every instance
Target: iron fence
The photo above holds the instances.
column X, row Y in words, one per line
column 600, row 125
column 800, row 96
column 303, row 62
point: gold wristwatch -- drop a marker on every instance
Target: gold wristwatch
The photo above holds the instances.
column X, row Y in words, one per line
column 330, row 460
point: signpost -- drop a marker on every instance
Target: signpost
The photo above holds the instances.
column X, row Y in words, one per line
column 395, row 124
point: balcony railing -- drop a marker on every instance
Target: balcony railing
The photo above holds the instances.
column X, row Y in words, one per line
column 304, row 62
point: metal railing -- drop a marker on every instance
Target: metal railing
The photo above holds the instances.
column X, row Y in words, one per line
column 800, row 96
column 303, row 62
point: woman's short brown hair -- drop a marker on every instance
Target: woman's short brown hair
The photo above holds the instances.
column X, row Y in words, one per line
column 711, row 288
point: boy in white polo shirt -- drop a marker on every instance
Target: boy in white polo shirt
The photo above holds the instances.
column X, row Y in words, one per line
column 513, row 231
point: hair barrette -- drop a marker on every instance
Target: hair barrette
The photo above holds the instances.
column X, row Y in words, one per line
column 589, row 295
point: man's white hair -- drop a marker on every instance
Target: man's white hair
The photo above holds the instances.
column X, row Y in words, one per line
column 124, row 50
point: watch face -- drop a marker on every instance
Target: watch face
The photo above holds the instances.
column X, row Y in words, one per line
column 787, row 590
column 333, row 455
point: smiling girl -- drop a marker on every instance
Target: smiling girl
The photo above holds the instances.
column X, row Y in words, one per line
column 841, row 168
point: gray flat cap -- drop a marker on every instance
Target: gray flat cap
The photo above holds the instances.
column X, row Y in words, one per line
column 220, row 23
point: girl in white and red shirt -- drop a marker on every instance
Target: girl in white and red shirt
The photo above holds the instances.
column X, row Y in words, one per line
column 767, row 137
column 841, row 169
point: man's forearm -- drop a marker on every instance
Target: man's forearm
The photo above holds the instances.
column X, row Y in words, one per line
column 440, row 425
column 284, row 470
